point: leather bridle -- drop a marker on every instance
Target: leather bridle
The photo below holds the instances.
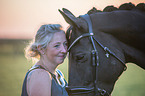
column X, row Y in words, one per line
column 95, row 62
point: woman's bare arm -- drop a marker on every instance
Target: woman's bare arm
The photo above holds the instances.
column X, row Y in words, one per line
column 39, row 83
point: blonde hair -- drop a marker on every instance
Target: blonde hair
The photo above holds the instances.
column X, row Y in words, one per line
column 43, row 38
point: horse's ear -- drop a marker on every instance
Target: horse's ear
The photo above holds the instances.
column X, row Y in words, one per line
column 69, row 17
column 67, row 11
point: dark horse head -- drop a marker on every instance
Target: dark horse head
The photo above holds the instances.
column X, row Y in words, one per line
column 98, row 58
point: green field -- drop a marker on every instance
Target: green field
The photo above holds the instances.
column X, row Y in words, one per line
column 14, row 67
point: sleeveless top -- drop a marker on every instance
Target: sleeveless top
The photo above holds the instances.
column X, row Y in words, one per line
column 56, row 89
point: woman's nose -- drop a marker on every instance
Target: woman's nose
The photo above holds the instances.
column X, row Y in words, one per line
column 64, row 49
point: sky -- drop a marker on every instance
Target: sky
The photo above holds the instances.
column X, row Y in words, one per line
column 20, row 19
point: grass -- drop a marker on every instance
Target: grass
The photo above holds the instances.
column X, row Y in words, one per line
column 12, row 72
column 131, row 82
column 14, row 67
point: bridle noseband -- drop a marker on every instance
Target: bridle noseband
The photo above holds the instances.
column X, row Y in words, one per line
column 95, row 62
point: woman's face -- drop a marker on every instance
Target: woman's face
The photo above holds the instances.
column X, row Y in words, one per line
column 56, row 50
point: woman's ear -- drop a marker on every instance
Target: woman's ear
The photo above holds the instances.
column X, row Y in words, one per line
column 41, row 50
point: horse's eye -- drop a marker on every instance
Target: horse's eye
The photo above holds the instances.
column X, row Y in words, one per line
column 79, row 57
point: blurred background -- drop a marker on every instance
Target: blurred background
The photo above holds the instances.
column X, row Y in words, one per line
column 19, row 21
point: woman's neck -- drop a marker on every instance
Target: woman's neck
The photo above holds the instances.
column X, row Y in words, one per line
column 47, row 65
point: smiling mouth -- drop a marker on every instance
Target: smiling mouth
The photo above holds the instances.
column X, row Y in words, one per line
column 62, row 56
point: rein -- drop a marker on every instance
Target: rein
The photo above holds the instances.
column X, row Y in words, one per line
column 95, row 62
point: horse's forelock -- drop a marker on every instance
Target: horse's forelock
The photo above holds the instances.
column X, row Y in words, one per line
column 68, row 33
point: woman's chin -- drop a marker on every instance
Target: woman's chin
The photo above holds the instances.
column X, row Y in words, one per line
column 60, row 62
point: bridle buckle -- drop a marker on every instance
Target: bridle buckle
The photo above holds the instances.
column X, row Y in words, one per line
column 102, row 91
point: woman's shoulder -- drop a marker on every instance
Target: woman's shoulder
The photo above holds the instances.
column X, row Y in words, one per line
column 35, row 74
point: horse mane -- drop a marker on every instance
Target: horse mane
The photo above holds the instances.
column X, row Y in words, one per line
column 93, row 10
column 141, row 7
column 110, row 8
column 125, row 6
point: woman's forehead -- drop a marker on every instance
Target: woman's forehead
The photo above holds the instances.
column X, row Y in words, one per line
column 58, row 38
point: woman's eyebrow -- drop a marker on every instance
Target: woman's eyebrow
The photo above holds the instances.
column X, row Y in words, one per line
column 56, row 42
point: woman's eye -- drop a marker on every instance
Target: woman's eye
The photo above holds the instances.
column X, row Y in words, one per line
column 65, row 44
column 56, row 46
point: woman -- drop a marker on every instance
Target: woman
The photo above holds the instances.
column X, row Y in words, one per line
column 43, row 79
